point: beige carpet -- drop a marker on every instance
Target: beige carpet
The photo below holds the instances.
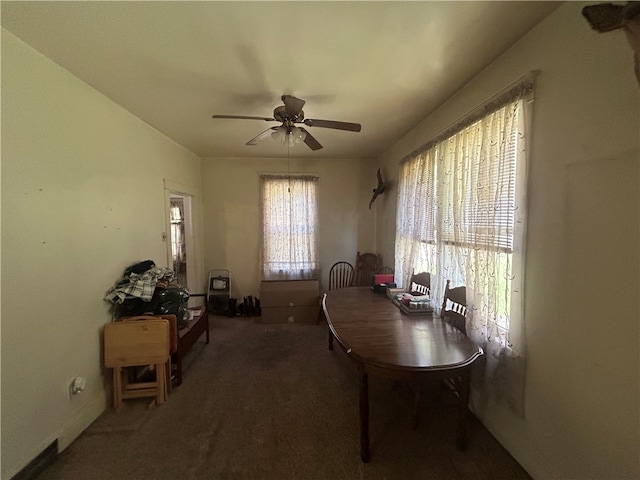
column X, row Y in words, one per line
column 272, row 402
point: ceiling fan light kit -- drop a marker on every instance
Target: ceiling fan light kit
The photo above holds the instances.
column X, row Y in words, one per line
column 292, row 137
column 288, row 133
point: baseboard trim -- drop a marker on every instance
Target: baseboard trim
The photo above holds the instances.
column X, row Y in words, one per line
column 86, row 416
column 61, row 439
column 36, row 466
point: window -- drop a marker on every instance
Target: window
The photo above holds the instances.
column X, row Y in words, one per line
column 178, row 250
column 462, row 216
column 290, row 227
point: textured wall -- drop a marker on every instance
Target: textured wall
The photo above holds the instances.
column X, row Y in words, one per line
column 231, row 195
column 82, row 198
column 582, row 385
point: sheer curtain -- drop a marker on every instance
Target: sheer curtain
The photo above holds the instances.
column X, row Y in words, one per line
column 290, row 233
column 415, row 223
column 176, row 216
column 462, row 217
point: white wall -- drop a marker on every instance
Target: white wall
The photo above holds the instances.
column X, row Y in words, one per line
column 82, row 198
column 582, row 385
column 231, row 197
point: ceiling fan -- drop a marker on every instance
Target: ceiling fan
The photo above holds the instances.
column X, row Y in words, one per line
column 288, row 133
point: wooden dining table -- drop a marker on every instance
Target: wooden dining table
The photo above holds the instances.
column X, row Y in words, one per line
column 383, row 341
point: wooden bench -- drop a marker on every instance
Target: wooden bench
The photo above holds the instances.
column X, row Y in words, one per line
column 188, row 336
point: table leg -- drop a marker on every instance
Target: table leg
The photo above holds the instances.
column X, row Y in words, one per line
column 364, row 416
column 117, row 387
column 179, row 369
column 416, row 403
column 161, row 391
column 463, row 409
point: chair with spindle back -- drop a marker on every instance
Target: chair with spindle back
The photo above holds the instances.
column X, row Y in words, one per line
column 341, row 275
column 454, row 310
column 420, row 284
column 454, row 306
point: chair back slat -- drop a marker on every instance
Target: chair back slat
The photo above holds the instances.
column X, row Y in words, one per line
column 341, row 275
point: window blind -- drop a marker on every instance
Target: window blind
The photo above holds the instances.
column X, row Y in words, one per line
column 486, row 210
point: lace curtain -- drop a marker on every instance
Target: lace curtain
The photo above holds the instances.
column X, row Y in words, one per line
column 462, row 217
column 290, row 227
column 176, row 216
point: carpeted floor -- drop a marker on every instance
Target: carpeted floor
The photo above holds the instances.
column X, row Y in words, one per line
column 272, row 402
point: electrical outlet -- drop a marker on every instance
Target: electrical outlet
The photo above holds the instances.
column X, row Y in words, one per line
column 78, row 385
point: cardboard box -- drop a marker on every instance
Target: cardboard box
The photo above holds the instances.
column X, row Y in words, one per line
column 383, row 278
column 294, row 301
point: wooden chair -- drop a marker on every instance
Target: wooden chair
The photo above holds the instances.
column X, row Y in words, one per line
column 454, row 310
column 341, row 275
column 420, row 284
column 385, row 270
column 367, row 264
column 454, row 306
column 132, row 344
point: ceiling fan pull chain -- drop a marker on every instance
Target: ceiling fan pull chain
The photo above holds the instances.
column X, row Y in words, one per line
column 288, row 168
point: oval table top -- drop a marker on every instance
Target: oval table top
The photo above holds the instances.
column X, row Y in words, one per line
column 373, row 330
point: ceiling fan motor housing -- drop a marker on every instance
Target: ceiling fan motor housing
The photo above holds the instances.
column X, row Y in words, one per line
column 281, row 115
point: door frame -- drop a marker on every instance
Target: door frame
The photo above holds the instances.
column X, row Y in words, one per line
column 190, row 195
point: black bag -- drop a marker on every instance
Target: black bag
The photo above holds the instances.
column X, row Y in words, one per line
column 382, row 287
column 172, row 300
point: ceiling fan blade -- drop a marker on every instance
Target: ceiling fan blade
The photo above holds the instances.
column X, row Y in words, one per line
column 352, row 127
column 604, row 17
column 311, row 142
column 244, row 117
column 260, row 136
column 292, row 105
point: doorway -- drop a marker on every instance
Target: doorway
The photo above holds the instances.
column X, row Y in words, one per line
column 180, row 246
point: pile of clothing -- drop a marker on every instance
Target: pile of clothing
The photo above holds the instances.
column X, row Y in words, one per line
column 145, row 289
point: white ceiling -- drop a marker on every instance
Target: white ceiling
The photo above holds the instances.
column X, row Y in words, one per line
column 385, row 65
